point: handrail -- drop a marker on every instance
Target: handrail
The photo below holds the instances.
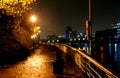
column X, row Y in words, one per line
column 87, row 64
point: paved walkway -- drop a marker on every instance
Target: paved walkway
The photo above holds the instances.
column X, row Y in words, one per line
column 40, row 65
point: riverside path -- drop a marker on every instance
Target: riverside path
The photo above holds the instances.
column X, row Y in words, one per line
column 41, row 64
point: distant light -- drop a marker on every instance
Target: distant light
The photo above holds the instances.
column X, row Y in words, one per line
column 79, row 39
column 84, row 48
column 57, row 40
column 75, row 39
column 83, row 38
column 79, row 48
column 78, row 35
column 70, row 39
column 33, row 36
column 101, row 48
column 53, row 41
column 39, row 31
column 38, row 27
column 48, row 41
column 116, row 52
column 118, row 23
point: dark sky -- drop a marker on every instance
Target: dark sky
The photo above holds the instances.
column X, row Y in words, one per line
column 55, row 15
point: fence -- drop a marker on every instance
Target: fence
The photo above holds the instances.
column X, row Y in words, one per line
column 91, row 67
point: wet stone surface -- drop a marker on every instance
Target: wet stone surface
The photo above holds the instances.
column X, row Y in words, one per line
column 39, row 65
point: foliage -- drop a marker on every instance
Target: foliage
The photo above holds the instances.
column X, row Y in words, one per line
column 6, row 24
column 23, row 36
column 16, row 7
column 13, row 24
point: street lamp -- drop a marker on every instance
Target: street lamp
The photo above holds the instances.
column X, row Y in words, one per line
column 33, row 18
column 90, row 26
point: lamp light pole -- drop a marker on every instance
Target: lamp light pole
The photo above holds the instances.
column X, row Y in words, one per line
column 90, row 26
column 33, row 20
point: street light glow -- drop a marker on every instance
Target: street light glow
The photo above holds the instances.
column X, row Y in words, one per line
column 38, row 27
column 33, row 18
column 33, row 36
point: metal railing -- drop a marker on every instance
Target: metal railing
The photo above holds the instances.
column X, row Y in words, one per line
column 91, row 67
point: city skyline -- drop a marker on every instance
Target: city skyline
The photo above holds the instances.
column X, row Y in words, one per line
column 56, row 15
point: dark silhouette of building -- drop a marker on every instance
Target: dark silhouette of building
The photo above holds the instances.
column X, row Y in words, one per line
column 68, row 32
column 107, row 48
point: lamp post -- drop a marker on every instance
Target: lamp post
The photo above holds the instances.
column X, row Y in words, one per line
column 90, row 26
column 33, row 20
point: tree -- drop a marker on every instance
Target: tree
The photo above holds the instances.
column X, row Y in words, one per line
column 12, row 20
column 16, row 7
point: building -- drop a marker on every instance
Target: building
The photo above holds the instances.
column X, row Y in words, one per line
column 108, row 48
column 68, row 32
column 117, row 26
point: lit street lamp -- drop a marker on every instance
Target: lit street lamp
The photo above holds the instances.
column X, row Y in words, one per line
column 90, row 26
column 33, row 18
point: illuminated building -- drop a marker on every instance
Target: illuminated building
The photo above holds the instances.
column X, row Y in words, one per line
column 117, row 26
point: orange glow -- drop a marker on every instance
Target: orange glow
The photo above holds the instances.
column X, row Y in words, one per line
column 33, row 36
column 35, row 61
column 33, row 18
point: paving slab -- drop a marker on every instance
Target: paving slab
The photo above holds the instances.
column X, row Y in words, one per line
column 40, row 65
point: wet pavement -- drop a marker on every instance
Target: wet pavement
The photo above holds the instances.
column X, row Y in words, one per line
column 40, row 65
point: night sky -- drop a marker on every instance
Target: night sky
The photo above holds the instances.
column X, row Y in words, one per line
column 55, row 15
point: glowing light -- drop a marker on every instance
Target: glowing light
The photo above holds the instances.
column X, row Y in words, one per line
column 53, row 41
column 33, row 18
column 118, row 23
column 84, row 48
column 79, row 48
column 57, row 40
column 38, row 27
column 74, row 39
column 101, row 48
column 116, row 54
column 48, row 41
column 39, row 31
column 33, row 36
column 79, row 39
